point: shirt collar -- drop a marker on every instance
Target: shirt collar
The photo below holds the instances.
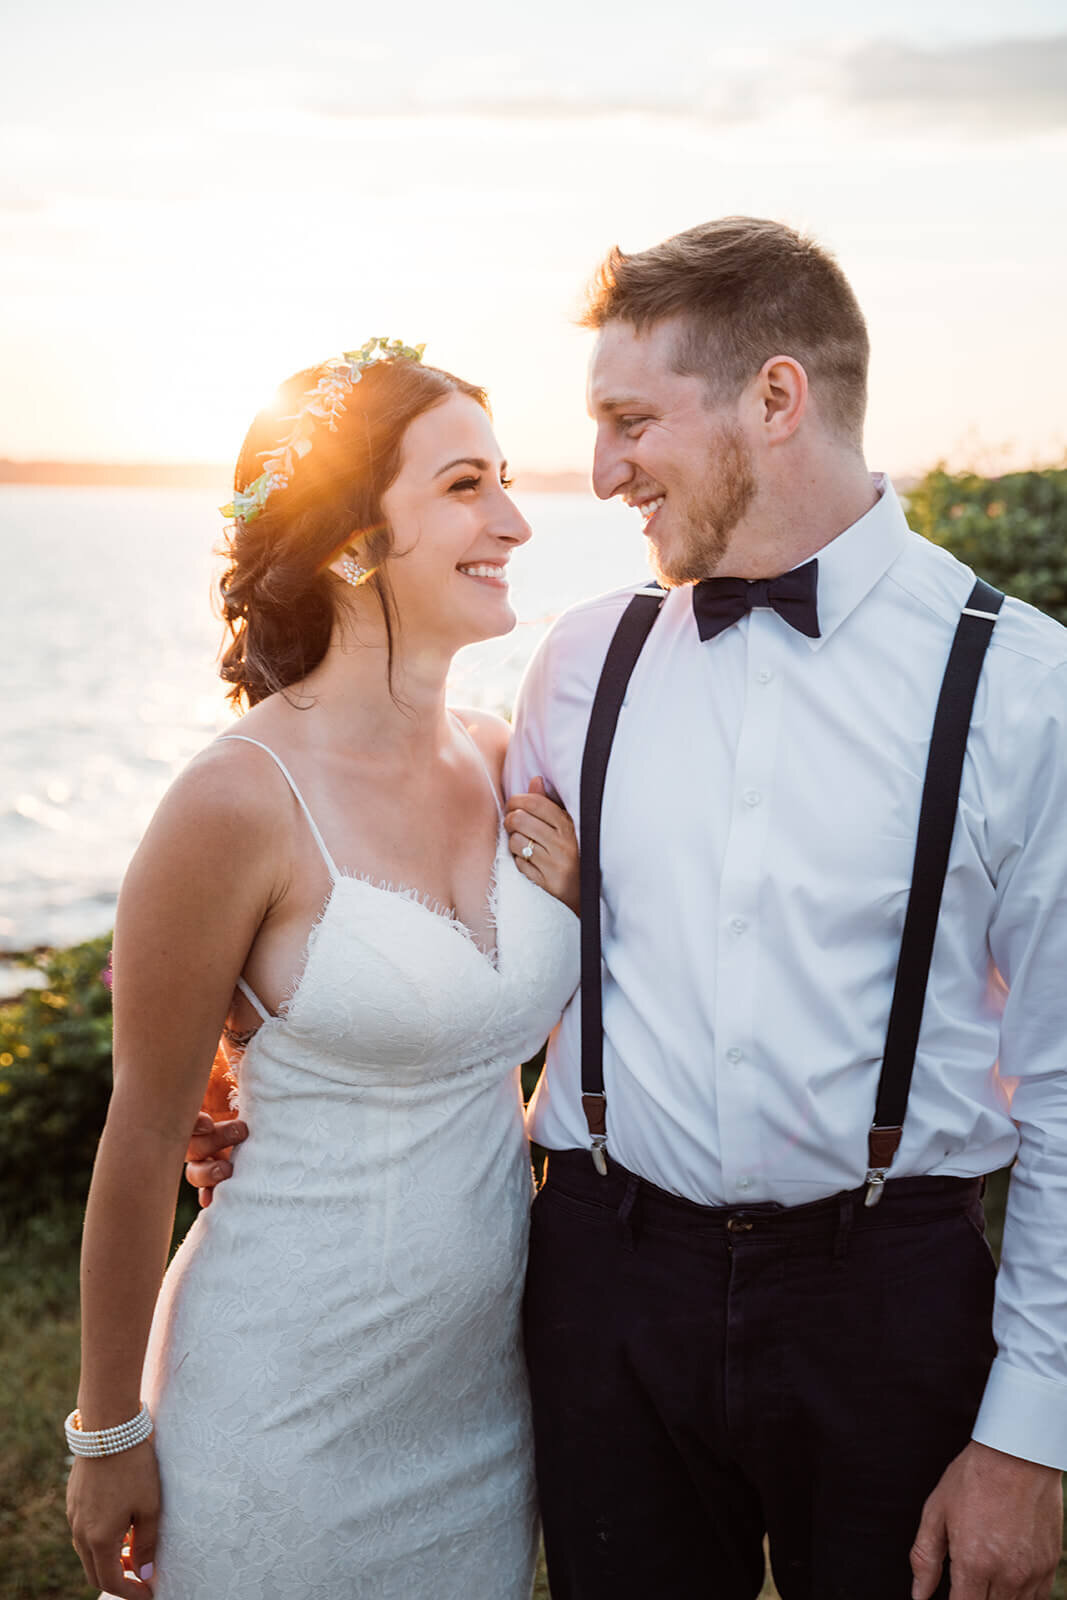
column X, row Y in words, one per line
column 851, row 564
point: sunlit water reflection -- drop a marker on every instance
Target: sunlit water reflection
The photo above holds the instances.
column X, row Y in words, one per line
column 109, row 678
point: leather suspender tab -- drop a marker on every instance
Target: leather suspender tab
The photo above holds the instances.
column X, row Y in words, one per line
column 882, row 1145
column 595, row 1107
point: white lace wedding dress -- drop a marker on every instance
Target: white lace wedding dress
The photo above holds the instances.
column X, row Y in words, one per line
column 335, row 1365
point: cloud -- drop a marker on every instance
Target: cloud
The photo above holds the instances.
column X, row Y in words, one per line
column 717, row 87
column 1007, row 86
column 1013, row 85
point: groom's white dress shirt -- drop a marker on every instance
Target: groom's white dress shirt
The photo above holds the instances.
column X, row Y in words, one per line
column 759, row 822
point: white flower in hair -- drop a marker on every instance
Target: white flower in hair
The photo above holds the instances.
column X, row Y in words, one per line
column 324, row 403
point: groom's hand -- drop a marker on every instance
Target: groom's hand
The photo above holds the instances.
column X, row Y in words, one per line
column 207, row 1160
column 999, row 1520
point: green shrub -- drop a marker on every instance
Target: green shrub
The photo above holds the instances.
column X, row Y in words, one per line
column 55, row 1080
column 1012, row 530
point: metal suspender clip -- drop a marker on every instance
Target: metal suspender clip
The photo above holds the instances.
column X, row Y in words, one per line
column 595, row 1106
column 882, row 1145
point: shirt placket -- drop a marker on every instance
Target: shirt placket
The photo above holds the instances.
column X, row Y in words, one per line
column 739, row 932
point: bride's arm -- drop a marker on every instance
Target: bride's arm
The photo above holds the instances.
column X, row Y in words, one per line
column 193, row 899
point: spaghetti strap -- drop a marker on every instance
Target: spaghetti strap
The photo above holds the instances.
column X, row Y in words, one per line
column 250, row 995
column 287, row 775
column 472, row 741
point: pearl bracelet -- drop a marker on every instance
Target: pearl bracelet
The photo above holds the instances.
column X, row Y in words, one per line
column 107, row 1441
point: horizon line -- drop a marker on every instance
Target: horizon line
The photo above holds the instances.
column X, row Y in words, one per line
column 199, row 474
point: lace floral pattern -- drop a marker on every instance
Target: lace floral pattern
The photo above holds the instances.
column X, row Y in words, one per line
column 335, row 1365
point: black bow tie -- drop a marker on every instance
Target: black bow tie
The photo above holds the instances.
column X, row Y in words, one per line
column 720, row 602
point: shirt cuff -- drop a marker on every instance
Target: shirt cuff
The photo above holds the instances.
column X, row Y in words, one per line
column 1025, row 1415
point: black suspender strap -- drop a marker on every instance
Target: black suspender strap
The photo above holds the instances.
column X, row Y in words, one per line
column 627, row 642
column 937, row 821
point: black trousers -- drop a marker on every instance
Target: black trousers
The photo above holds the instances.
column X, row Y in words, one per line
column 703, row 1375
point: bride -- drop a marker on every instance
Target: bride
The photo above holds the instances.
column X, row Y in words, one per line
column 331, row 1400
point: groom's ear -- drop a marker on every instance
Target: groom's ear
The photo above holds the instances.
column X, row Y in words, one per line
column 782, row 398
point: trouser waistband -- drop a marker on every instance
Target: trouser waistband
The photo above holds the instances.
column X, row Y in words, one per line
column 903, row 1199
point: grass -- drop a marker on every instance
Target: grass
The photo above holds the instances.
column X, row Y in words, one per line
column 38, row 1371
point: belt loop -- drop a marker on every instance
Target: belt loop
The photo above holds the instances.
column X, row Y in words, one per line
column 844, row 1226
column 625, row 1217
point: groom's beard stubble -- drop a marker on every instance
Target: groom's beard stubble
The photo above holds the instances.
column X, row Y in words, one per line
column 710, row 515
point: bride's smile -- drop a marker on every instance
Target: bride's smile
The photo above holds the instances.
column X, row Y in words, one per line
column 454, row 527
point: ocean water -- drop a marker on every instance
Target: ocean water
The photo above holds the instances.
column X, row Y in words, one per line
column 109, row 683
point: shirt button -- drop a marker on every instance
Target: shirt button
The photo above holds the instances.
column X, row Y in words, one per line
column 752, row 797
column 734, row 1054
column 744, row 1184
column 764, row 675
column 738, row 924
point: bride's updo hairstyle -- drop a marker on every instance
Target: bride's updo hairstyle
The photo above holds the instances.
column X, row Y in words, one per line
column 279, row 600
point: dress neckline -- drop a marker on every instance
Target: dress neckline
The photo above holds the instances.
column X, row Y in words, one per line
column 418, row 898
column 436, row 908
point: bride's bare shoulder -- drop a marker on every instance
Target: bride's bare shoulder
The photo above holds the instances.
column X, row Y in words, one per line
column 490, row 733
column 232, row 789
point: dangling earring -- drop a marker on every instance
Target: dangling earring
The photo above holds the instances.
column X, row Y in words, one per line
column 351, row 570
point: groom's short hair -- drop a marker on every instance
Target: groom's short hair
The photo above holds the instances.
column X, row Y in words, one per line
column 746, row 289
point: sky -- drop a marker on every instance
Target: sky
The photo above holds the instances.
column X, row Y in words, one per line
column 197, row 200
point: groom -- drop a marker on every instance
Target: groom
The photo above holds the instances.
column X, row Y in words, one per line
column 724, row 1340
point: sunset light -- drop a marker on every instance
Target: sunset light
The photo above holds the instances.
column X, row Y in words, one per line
column 177, row 243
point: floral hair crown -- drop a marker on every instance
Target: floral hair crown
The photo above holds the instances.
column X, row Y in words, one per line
column 324, row 403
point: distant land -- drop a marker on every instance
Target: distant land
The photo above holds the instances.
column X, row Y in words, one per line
column 208, row 475
column 139, row 474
